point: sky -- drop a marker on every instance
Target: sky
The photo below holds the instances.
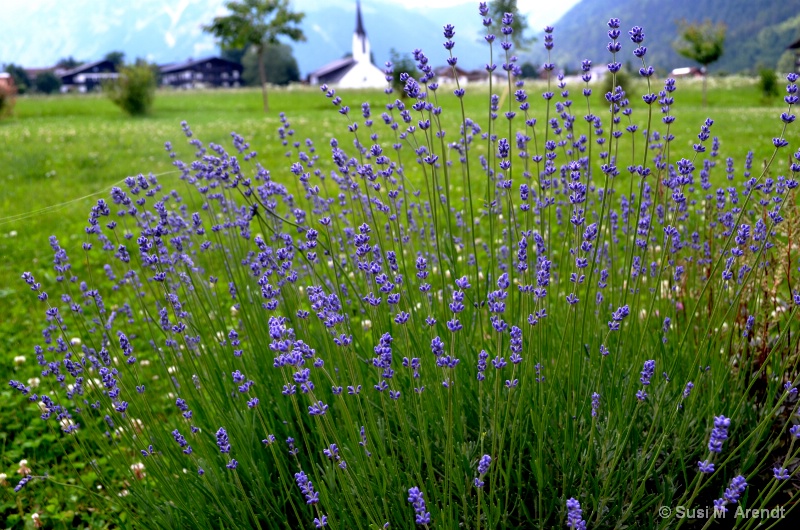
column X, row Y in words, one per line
column 36, row 33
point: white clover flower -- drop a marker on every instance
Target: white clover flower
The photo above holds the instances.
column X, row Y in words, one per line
column 173, row 369
column 366, row 324
column 19, row 359
column 23, row 470
column 75, row 341
column 144, row 362
column 138, row 470
column 33, row 382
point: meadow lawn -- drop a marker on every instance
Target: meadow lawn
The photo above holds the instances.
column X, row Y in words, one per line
column 59, row 154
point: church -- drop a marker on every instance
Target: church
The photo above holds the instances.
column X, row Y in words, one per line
column 355, row 71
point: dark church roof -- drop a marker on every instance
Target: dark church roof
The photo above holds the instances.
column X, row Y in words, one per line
column 333, row 72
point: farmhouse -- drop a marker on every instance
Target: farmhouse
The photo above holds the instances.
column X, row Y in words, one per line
column 210, row 72
column 87, row 77
column 356, row 71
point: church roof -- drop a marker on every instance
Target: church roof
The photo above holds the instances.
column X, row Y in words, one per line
column 333, row 71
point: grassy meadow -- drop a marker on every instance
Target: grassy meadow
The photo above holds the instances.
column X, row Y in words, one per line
column 59, row 154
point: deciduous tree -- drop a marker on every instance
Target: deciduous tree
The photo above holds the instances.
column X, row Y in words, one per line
column 702, row 42
column 497, row 8
column 257, row 23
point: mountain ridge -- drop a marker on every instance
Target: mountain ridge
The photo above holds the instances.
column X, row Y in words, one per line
column 757, row 35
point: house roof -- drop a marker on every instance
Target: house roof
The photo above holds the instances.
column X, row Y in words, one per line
column 794, row 46
column 191, row 63
column 84, row 68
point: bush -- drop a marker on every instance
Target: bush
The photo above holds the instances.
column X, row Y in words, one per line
column 47, row 83
column 768, row 83
column 403, row 332
column 7, row 99
column 134, row 90
column 623, row 80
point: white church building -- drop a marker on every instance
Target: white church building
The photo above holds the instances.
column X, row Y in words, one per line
column 356, row 71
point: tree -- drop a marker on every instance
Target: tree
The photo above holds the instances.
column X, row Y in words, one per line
column 68, row 63
column 280, row 66
column 257, row 23
column 497, row 8
column 118, row 58
column 235, row 55
column 47, row 83
column 20, row 76
column 529, row 71
column 701, row 42
column 134, row 90
column 401, row 64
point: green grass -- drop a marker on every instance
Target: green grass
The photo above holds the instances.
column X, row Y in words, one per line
column 62, row 153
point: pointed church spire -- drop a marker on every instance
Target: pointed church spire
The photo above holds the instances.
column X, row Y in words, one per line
column 359, row 24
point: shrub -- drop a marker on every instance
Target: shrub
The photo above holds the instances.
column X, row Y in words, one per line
column 47, row 83
column 7, row 99
column 623, row 80
column 768, row 83
column 134, row 90
column 518, row 328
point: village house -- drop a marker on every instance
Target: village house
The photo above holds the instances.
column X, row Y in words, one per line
column 87, row 77
column 209, row 72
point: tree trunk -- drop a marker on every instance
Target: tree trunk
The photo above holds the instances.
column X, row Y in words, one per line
column 262, row 74
column 705, row 78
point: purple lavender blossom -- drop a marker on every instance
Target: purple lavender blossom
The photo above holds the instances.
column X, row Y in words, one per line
column 306, row 487
column 415, row 497
column 718, row 434
column 732, row 494
column 575, row 515
column 222, row 441
column 705, row 466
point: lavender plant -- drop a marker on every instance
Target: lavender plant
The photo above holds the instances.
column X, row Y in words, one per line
column 546, row 317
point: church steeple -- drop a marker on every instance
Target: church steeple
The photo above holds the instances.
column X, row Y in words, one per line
column 361, row 49
column 359, row 24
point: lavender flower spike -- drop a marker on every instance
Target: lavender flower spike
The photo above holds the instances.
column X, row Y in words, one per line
column 575, row 515
column 415, row 497
column 483, row 468
column 732, row 494
column 719, row 434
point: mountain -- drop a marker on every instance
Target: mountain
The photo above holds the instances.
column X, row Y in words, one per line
column 758, row 31
column 36, row 33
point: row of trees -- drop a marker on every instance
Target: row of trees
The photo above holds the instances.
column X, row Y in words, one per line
column 44, row 83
